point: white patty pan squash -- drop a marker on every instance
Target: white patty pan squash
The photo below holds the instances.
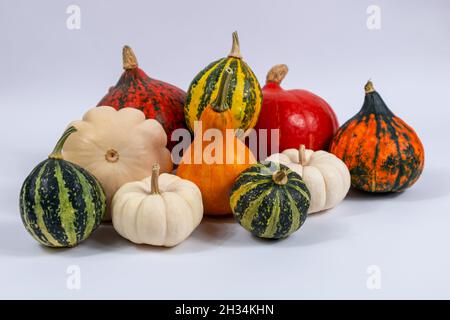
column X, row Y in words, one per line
column 326, row 176
column 117, row 147
column 161, row 210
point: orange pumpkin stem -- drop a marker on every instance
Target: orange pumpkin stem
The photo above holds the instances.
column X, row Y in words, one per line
column 220, row 103
column 235, row 48
column 369, row 87
column 302, row 155
column 277, row 73
column 128, row 58
column 154, row 189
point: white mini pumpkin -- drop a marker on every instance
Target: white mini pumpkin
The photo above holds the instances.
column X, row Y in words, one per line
column 161, row 210
column 117, row 147
column 326, row 176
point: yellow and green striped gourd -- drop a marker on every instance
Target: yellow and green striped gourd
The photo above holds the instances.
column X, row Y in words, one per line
column 244, row 98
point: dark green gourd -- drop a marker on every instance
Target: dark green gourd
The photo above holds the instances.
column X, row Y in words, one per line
column 270, row 200
column 61, row 204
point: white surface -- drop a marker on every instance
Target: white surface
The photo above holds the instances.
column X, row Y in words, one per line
column 51, row 75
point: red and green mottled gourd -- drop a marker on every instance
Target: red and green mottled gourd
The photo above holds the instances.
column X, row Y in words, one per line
column 61, row 204
column 270, row 200
column 157, row 99
column 382, row 152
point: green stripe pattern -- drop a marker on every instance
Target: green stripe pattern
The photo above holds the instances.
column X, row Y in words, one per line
column 244, row 98
column 61, row 204
column 265, row 208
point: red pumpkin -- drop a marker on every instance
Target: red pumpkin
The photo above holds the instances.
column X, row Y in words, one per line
column 157, row 99
column 301, row 116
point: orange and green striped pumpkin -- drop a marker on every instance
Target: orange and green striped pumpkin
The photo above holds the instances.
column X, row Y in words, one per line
column 382, row 152
column 245, row 95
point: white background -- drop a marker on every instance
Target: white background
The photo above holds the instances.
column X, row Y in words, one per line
column 51, row 75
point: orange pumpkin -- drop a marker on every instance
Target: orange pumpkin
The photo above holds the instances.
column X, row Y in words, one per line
column 382, row 152
column 214, row 165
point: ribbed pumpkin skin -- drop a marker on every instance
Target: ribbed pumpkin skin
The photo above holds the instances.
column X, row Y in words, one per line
column 61, row 204
column 382, row 152
column 216, row 179
column 267, row 209
column 245, row 95
column 215, row 175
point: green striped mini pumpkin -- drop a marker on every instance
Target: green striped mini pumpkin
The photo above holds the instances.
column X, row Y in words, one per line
column 61, row 204
column 245, row 96
column 270, row 200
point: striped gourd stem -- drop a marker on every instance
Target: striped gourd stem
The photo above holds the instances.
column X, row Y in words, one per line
column 235, row 48
column 280, row 177
column 57, row 151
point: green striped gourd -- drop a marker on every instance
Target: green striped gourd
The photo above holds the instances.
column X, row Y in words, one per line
column 245, row 96
column 61, row 204
column 270, row 200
